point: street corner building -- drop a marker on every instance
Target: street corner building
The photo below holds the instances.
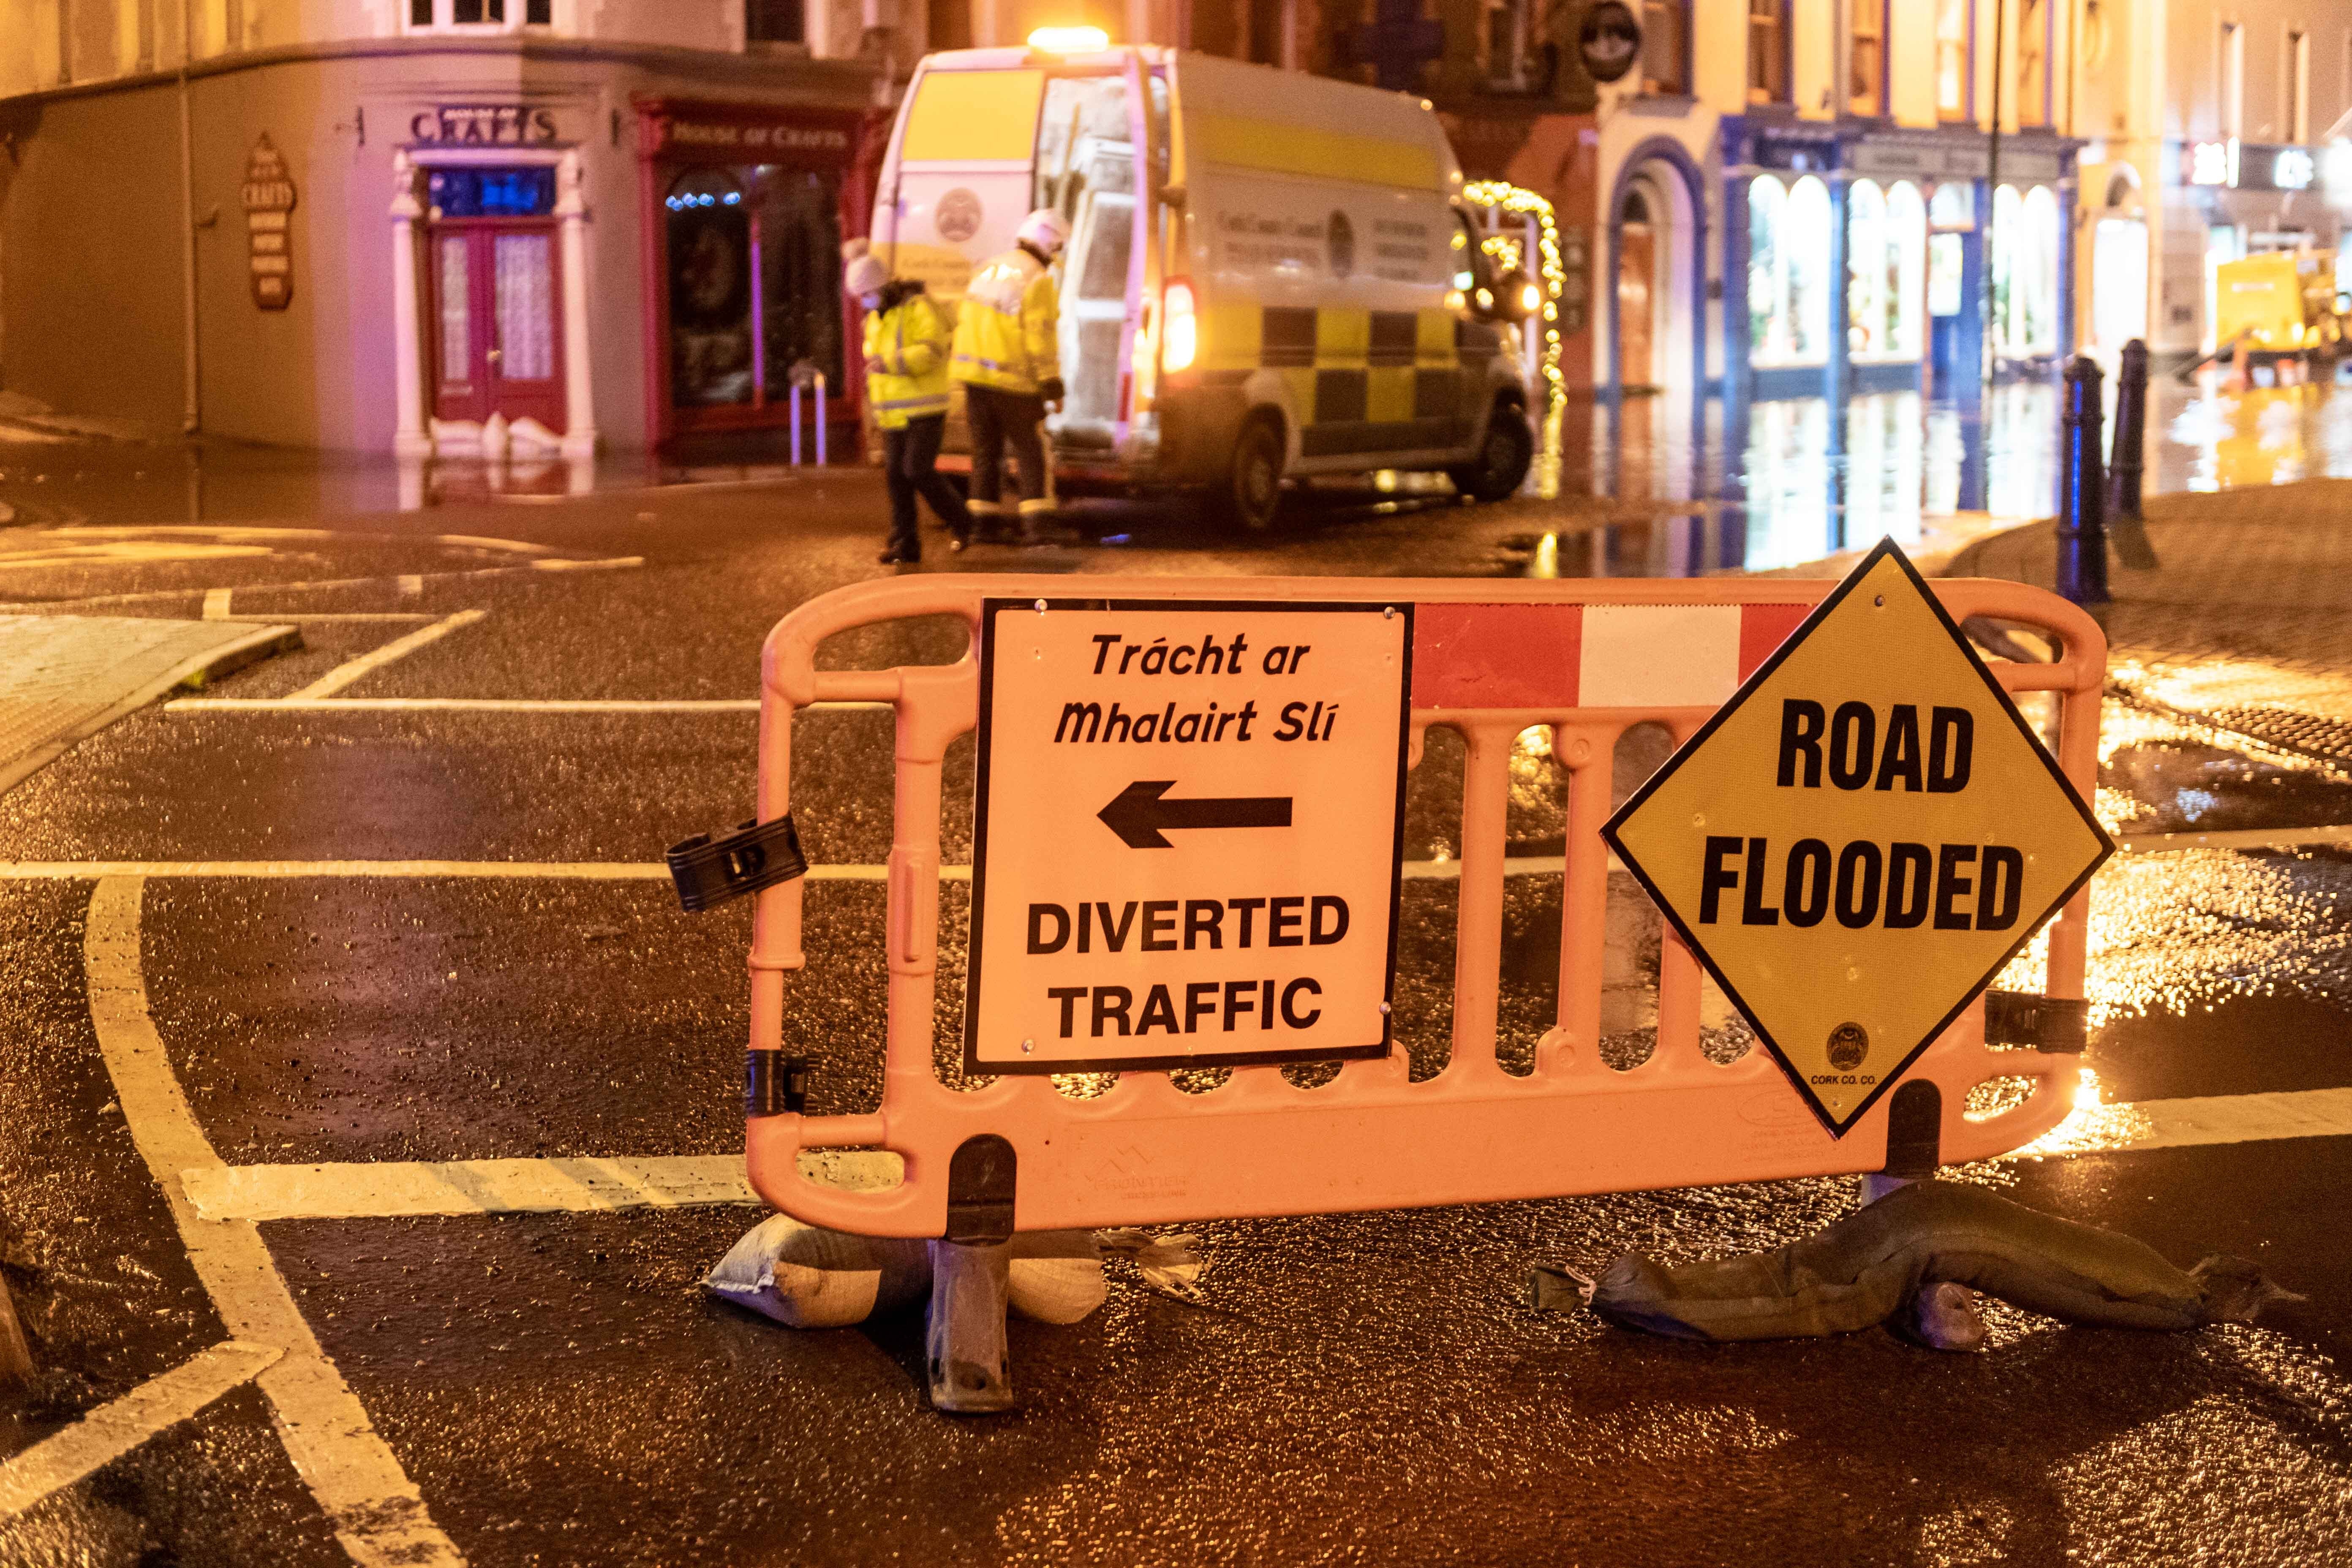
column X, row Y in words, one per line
column 433, row 227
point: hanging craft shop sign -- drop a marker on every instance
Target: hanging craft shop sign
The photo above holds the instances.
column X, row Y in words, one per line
column 268, row 199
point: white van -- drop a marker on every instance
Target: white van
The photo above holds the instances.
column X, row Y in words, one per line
column 1267, row 274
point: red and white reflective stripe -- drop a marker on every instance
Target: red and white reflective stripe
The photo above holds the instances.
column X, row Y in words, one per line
column 1591, row 656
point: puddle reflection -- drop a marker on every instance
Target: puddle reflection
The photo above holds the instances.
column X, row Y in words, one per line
column 1795, row 480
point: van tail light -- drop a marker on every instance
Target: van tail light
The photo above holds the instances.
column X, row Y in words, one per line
column 1180, row 327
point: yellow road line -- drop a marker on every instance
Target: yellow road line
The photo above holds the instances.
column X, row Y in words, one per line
column 375, row 1510
column 113, row 1429
column 343, row 673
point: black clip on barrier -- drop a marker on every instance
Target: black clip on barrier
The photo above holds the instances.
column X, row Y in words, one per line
column 2047, row 1023
column 775, row 1084
column 711, row 869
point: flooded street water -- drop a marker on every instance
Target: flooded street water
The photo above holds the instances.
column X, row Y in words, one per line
column 1654, row 486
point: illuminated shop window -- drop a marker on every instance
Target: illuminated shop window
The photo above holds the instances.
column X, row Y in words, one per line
column 2025, row 271
column 1788, row 271
column 1887, row 238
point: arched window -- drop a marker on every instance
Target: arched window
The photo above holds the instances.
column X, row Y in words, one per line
column 2025, row 271
column 2042, row 238
column 1766, row 208
column 1788, row 272
column 1866, row 336
column 1906, row 269
column 2007, row 246
column 1806, row 258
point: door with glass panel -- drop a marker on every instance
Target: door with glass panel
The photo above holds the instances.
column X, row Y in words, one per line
column 499, row 346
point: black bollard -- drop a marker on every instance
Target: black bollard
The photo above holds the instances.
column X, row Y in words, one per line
column 2131, row 430
column 2082, row 513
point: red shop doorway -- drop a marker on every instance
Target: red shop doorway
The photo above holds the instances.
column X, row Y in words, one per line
column 746, row 207
column 497, row 337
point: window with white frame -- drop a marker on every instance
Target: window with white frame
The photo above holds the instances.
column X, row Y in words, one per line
column 775, row 22
column 1866, row 63
column 1768, row 51
column 1666, row 56
column 1788, row 272
column 1954, row 81
column 2025, row 272
column 1886, row 240
column 2298, row 128
column 1507, row 42
column 2233, row 95
column 2033, row 63
column 478, row 16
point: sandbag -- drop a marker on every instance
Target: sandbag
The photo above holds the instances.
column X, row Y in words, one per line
column 806, row 1276
column 1876, row 1262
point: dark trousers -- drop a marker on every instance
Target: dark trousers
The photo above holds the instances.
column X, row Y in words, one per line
column 999, row 417
column 908, row 456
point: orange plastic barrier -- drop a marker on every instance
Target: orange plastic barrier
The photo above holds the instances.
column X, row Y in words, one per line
column 1490, row 659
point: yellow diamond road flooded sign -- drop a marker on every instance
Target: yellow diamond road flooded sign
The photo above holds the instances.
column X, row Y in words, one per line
column 1861, row 837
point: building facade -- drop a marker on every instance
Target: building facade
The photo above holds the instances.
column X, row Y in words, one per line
column 434, row 225
column 2214, row 131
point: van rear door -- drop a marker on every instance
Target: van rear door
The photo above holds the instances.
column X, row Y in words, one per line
column 957, row 183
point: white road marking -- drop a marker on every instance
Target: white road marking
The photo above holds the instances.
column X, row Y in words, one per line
column 2233, row 838
column 520, row 870
column 113, row 1429
column 2193, row 1122
column 375, row 1510
column 476, row 705
column 394, row 1188
column 500, row 704
column 616, row 871
column 216, row 603
column 343, row 673
column 155, row 596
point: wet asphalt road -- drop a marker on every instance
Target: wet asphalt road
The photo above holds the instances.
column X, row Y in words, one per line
column 1360, row 1389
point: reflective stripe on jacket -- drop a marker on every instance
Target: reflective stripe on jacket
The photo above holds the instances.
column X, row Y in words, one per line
column 1008, row 331
column 910, row 339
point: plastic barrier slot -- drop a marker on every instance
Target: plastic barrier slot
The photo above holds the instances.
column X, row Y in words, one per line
column 1491, row 660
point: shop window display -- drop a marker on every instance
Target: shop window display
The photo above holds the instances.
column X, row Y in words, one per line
column 1886, row 232
column 753, row 268
column 2025, row 241
column 1788, row 272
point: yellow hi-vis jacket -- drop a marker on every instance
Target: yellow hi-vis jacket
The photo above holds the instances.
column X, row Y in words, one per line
column 911, row 341
column 1008, row 329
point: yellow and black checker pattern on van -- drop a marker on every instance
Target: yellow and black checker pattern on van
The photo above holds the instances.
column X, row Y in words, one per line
column 1362, row 381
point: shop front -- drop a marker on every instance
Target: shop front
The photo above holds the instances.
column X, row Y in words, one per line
column 1865, row 259
column 746, row 206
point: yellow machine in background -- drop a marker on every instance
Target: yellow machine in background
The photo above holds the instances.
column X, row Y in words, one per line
column 2280, row 302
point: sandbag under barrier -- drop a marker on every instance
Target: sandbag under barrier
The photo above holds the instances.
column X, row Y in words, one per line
column 1886, row 1261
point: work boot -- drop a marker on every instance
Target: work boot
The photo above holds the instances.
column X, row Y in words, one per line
column 897, row 557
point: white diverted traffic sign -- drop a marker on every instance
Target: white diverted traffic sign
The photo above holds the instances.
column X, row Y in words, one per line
column 1187, row 831
column 1860, row 838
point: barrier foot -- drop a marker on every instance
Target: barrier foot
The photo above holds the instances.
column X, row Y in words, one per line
column 970, row 1367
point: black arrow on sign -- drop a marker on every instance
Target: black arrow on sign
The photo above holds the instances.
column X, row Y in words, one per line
column 1138, row 813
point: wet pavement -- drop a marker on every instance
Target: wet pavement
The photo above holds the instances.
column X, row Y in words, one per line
column 1364, row 1389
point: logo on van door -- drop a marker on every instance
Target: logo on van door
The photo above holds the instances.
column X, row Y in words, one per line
column 1342, row 240
column 957, row 216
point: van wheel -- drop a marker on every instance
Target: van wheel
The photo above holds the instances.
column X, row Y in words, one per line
column 1504, row 457
column 1253, row 487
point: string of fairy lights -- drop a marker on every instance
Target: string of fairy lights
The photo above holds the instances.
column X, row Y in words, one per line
column 1515, row 201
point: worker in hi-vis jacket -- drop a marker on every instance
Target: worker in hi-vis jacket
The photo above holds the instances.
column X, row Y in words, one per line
column 907, row 345
column 1008, row 356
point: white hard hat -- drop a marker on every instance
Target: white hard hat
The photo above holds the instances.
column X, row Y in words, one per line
column 1045, row 229
column 864, row 274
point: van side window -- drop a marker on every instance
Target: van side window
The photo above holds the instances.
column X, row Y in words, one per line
column 1472, row 269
